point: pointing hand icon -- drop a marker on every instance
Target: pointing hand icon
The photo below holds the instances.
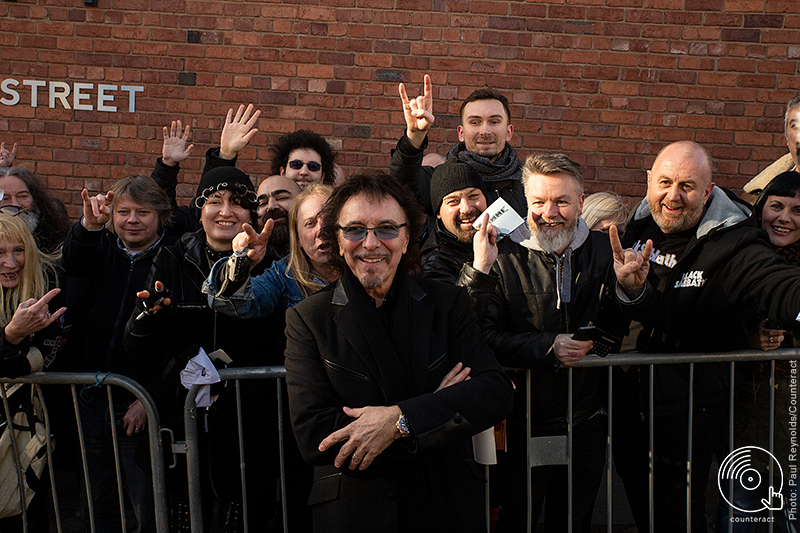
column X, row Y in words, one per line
column 775, row 502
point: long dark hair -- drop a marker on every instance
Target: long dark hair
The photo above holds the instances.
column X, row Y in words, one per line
column 53, row 219
column 374, row 186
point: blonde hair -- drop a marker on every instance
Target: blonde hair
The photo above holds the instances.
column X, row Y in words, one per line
column 299, row 265
column 37, row 273
column 604, row 205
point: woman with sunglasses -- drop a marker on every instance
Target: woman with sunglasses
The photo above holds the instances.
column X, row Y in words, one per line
column 301, row 273
column 172, row 322
column 32, row 339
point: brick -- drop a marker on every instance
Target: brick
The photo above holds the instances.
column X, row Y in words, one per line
column 741, row 35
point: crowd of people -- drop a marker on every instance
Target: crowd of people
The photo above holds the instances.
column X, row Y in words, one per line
column 403, row 316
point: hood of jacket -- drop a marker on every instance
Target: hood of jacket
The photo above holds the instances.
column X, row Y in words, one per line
column 724, row 210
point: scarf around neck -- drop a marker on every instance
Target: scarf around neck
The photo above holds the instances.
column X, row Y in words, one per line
column 506, row 167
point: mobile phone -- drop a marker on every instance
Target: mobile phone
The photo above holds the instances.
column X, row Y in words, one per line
column 604, row 342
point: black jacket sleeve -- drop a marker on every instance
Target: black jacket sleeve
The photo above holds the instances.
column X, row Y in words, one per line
column 406, row 167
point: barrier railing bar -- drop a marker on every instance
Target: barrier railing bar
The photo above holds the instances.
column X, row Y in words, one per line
column 241, row 454
column 528, row 425
column 282, row 452
column 590, row 361
column 15, row 448
column 609, row 452
column 731, row 397
column 193, row 460
column 771, row 437
column 50, row 469
column 651, row 447
column 569, row 450
column 112, row 416
column 84, row 462
column 689, row 452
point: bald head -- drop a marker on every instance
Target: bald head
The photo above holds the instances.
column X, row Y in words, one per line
column 275, row 195
column 678, row 186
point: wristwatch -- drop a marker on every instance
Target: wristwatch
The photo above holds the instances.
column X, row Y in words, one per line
column 402, row 426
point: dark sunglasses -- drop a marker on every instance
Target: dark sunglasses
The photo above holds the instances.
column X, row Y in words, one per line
column 387, row 232
column 313, row 166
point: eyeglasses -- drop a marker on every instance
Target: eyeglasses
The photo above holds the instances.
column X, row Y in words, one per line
column 386, row 232
column 313, row 166
column 12, row 210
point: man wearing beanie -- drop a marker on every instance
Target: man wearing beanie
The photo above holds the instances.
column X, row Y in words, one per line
column 458, row 197
column 484, row 133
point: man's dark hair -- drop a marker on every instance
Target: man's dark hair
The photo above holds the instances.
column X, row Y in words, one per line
column 375, row 186
column 53, row 219
column 144, row 191
column 303, row 139
column 486, row 93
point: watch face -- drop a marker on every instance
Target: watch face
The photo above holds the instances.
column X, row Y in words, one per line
column 402, row 426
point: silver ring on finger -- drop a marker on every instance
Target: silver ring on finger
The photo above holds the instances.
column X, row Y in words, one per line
column 770, row 339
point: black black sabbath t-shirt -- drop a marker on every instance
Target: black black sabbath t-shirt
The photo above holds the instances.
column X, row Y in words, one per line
column 668, row 249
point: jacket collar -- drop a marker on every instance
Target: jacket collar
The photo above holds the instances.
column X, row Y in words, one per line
column 723, row 211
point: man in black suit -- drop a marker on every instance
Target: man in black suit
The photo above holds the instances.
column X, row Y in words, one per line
column 377, row 368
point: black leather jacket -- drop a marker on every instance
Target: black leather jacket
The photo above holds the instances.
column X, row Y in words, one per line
column 530, row 308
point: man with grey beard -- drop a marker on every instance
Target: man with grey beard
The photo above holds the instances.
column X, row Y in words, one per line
column 558, row 280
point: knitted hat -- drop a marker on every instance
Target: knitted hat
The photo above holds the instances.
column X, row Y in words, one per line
column 226, row 178
column 453, row 175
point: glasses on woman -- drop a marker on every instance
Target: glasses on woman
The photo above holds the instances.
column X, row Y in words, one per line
column 385, row 232
column 313, row 166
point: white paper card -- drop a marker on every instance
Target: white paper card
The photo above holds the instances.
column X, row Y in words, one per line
column 503, row 217
column 201, row 371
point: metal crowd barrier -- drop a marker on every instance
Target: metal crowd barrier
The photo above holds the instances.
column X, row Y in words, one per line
column 108, row 381
column 556, row 450
column 192, row 443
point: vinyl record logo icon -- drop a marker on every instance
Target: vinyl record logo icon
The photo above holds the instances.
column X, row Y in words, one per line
column 740, row 469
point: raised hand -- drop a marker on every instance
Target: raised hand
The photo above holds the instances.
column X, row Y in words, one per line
column 175, row 149
column 484, row 246
column 6, row 157
column 418, row 113
column 254, row 243
column 154, row 300
column 630, row 267
column 96, row 209
column 237, row 131
column 31, row 316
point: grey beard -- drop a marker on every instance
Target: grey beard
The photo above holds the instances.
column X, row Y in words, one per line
column 30, row 218
column 555, row 243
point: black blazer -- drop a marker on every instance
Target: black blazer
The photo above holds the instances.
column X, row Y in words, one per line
column 338, row 354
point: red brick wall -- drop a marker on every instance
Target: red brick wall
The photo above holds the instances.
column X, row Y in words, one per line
column 609, row 82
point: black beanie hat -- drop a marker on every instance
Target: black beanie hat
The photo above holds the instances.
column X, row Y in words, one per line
column 227, row 178
column 453, row 175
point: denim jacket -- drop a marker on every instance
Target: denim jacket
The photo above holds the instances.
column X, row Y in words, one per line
column 273, row 290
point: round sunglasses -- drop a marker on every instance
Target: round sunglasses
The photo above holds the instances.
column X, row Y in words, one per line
column 313, row 166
